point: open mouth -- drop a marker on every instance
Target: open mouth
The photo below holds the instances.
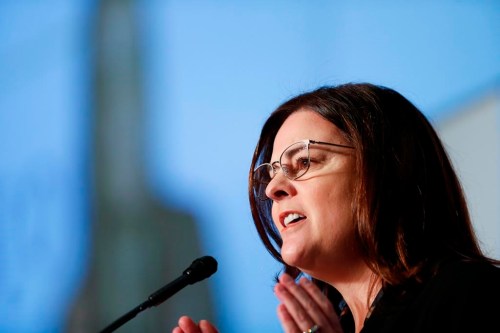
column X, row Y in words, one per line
column 292, row 218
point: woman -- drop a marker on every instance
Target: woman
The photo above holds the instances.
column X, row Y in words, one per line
column 351, row 186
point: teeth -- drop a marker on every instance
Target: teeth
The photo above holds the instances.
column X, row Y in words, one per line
column 291, row 217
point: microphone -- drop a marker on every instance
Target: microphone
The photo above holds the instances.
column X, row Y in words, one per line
column 199, row 269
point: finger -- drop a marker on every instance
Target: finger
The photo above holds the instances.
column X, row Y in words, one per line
column 321, row 313
column 177, row 330
column 187, row 325
column 288, row 295
column 207, row 327
column 287, row 322
column 321, row 300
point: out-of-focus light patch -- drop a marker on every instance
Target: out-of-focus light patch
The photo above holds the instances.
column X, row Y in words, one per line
column 44, row 175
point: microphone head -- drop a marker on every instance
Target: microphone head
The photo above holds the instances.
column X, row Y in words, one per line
column 200, row 269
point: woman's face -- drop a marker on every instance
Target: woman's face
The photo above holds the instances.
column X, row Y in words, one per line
column 319, row 240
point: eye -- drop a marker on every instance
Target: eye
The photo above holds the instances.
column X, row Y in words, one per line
column 302, row 163
column 318, row 157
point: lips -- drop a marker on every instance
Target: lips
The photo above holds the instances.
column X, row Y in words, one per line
column 290, row 217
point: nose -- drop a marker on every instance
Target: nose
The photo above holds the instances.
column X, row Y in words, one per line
column 279, row 187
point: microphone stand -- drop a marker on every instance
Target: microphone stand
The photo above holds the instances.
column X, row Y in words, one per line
column 200, row 269
column 126, row 317
column 153, row 300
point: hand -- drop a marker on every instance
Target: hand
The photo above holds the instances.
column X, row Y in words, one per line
column 187, row 325
column 303, row 305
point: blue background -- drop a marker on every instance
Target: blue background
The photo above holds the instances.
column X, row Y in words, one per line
column 212, row 72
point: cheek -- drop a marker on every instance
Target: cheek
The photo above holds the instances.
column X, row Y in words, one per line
column 274, row 215
column 337, row 207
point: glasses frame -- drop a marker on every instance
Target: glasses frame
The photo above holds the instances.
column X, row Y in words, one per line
column 307, row 142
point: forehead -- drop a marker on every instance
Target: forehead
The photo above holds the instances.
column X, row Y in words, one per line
column 305, row 124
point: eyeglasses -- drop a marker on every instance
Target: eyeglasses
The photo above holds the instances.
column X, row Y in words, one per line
column 294, row 162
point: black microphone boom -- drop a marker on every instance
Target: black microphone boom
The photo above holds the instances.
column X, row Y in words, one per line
column 200, row 269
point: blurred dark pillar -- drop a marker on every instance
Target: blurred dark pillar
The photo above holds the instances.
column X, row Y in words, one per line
column 138, row 245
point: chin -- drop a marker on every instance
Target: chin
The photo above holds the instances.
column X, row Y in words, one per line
column 295, row 258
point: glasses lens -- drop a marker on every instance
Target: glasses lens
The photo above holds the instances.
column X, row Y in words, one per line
column 295, row 160
column 261, row 178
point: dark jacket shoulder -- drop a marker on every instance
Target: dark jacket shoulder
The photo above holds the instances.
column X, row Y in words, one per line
column 462, row 297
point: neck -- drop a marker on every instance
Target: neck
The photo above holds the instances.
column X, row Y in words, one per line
column 359, row 290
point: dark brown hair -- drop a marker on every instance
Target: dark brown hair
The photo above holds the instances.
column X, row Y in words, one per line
column 409, row 206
